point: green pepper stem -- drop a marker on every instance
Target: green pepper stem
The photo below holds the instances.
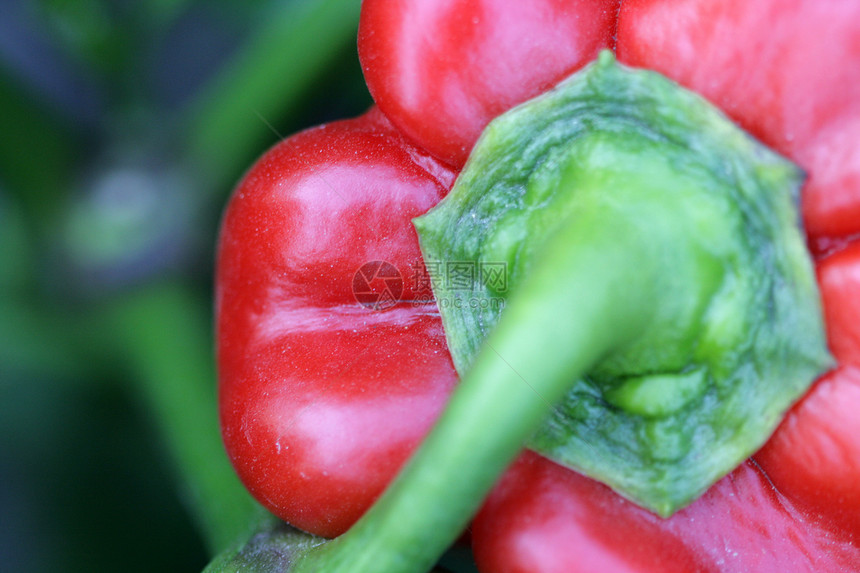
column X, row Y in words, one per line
column 577, row 305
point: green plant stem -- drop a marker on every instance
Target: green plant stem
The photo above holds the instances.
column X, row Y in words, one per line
column 167, row 345
column 277, row 67
column 576, row 307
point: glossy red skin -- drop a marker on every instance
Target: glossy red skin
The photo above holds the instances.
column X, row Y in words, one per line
column 788, row 71
column 543, row 518
column 322, row 399
column 839, row 282
column 814, row 457
column 442, row 69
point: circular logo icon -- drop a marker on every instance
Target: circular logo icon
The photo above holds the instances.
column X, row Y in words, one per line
column 377, row 285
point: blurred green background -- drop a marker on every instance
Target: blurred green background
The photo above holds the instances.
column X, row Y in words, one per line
column 123, row 127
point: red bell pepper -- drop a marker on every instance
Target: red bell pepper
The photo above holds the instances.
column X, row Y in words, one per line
column 786, row 70
column 322, row 399
column 442, row 69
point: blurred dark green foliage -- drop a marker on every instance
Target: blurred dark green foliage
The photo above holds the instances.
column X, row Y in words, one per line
column 123, row 127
